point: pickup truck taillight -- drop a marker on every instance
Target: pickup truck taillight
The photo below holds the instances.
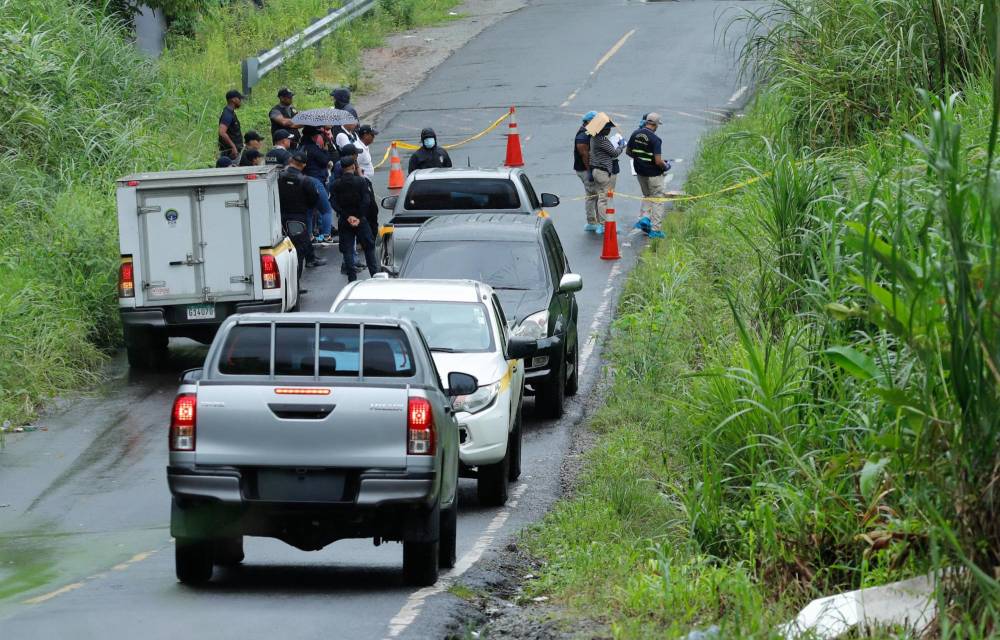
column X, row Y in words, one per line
column 420, row 428
column 126, row 278
column 269, row 271
column 182, row 422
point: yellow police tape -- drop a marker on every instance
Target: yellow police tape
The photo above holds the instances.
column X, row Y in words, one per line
column 682, row 198
column 413, row 147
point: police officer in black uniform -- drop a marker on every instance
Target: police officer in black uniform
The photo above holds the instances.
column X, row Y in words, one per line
column 281, row 116
column 279, row 153
column 298, row 195
column 429, row 155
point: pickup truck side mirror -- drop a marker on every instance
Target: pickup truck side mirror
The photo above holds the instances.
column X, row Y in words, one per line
column 191, row 376
column 550, row 200
column 461, row 384
column 570, row 283
column 389, row 202
column 518, row 348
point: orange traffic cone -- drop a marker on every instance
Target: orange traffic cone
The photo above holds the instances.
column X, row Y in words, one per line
column 514, row 157
column 610, row 251
column 396, row 177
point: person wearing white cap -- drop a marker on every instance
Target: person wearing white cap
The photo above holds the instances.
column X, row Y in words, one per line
column 644, row 147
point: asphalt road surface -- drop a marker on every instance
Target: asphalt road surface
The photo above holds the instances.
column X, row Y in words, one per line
column 85, row 550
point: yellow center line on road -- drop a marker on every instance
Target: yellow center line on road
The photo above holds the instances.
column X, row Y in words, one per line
column 53, row 594
column 600, row 63
column 139, row 557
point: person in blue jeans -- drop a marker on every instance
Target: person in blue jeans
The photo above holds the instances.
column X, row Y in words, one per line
column 351, row 196
column 318, row 169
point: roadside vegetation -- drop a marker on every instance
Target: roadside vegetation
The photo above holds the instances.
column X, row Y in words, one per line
column 811, row 404
column 80, row 107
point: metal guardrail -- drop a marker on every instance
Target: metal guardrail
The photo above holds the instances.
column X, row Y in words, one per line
column 259, row 66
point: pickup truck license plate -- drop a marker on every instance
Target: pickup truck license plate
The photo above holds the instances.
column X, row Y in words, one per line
column 201, row 312
column 284, row 485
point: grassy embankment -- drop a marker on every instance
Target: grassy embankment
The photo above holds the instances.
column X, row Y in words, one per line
column 810, row 405
column 79, row 107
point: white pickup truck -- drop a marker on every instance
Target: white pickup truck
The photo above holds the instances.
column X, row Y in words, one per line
column 196, row 247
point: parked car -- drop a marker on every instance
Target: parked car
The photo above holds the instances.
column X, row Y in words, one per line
column 522, row 259
column 196, row 247
column 466, row 330
column 440, row 192
column 311, row 428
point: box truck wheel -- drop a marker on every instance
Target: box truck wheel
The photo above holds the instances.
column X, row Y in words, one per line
column 146, row 348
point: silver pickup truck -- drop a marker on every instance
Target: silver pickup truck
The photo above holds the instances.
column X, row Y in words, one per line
column 312, row 428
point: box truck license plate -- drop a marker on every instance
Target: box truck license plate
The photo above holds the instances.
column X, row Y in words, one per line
column 201, row 312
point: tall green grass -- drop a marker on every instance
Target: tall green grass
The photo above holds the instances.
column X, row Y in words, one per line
column 79, row 108
column 829, row 419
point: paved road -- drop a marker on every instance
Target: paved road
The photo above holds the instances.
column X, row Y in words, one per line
column 85, row 550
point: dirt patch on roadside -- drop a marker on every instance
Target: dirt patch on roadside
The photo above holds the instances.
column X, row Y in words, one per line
column 407, row 57
column 493, row 599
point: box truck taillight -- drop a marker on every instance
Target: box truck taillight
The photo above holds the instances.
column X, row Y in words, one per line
column 269, row 271
column 182, row 422
column 420, row 428
column 126, row 278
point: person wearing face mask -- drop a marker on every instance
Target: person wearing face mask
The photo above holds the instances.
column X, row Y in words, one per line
column 429, row 155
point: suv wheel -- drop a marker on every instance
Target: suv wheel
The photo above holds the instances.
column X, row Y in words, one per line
column 493, row 478
column 515, row 454
column 550, row 396
column 573, row 383
column 447, row 552
column 229, row 551
column 193, row 560
column 420, row 563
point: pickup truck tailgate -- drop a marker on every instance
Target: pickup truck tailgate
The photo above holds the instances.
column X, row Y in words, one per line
column 279, row 426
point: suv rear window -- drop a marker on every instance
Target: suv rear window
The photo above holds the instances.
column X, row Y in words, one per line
column 247, row 351
column 461, row 194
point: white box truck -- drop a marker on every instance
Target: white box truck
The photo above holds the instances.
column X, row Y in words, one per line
column 197, row 247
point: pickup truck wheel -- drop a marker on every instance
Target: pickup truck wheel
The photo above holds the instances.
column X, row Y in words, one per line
column 493, row 478
column 551, row 396
column 573, row 383
column 193, row 560
column 420, row 563
column 515, row 453
column 229, row 551
column 447, row 552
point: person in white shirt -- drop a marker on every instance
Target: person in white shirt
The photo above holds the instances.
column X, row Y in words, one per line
column 346, row 136
column 366, row 136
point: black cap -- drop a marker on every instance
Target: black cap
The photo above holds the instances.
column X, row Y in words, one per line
column 367, row 128
column 347, row 161
column 233, row 93
column 251, row 136
column 249, row 155
column 348, row 150
column 341, row 94
column 223, row 162
column 300, row 157
column 427, row 133
column 309, row 132
column 285, row 92
column 282, row 134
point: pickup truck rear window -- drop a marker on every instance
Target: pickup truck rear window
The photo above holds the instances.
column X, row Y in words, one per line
column 387, row 352
column 247, row 351
column 463, row 195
